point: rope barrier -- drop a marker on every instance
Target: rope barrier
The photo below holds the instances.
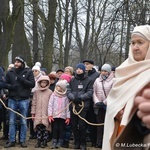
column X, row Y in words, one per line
column 74, row 111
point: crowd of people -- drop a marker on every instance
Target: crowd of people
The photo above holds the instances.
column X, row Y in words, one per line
column 37, row 94
column 59, row 102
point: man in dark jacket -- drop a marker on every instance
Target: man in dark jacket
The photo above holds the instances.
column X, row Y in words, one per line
column 80, row 90
column 91, row 117
column 19, row 81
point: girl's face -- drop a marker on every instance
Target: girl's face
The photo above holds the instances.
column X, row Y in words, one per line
column 67, row 71
column 104, row 73
column 59, row 89
column 139, row 47
column 36, row 73
column 43, row 83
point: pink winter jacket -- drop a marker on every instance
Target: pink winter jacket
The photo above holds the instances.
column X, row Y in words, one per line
column 57, row 104
column 40, row 104
column 98, row 95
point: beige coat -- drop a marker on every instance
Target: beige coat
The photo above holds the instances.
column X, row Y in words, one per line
column 40, row 104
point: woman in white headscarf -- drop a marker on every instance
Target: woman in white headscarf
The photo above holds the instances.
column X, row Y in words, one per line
column 130, row 78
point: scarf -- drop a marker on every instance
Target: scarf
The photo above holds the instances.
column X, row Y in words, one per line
column 60, row 94
column 130, row 78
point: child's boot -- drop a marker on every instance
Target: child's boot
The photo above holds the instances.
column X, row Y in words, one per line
column 38, row 144
column 44, row 144
column 54, row 143
column 60, row 143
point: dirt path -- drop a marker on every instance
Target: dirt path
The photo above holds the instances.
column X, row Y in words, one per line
column 31, row 145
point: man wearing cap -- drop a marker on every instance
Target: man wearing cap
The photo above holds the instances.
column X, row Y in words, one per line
column 19, row 81
column 80, row 90
column 91, row 117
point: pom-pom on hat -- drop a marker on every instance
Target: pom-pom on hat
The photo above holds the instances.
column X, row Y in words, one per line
column 66, row 77
column 81, row 66
column 38, row 64
column 36, row 68
column 106, row 67
column 62, row 84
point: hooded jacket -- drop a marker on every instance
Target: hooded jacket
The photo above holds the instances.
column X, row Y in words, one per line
column 40, row 104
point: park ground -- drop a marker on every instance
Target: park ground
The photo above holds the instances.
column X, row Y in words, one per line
column 31, row 145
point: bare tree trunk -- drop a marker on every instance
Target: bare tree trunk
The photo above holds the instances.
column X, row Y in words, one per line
column 20, row 44
column 60, row 35
column 49, row 33
column 35, row 31
column 6, row 32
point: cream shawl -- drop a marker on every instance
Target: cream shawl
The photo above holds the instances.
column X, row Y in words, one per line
column 130, row 77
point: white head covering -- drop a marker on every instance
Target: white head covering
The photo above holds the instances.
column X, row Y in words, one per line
column 36, row 68
column 131, row 76
column 38, row 64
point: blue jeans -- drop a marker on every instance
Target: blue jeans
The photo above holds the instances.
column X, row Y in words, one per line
column 22, row 106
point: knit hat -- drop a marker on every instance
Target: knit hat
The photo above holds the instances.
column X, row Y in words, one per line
column 106, row 67
column 113, row 68
column 66, row 77
column 20, row 58
column 36, row 68
column 44, row 70
column 89, row 61
column 81, row 66
column 70, row 69
column 38, row 64
column 62, row 84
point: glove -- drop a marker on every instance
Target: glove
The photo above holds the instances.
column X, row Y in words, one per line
column 78, row 99
column 20, row 79
column 67, row 121
column 101, row 105
column 50, row 118
column 33, row 115
column 71, row 97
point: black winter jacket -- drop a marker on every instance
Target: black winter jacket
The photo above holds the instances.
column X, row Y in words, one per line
column 80, row 89
column 20, row 86
column 93, row 75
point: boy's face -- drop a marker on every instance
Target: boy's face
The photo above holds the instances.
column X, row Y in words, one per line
column 79, row 71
